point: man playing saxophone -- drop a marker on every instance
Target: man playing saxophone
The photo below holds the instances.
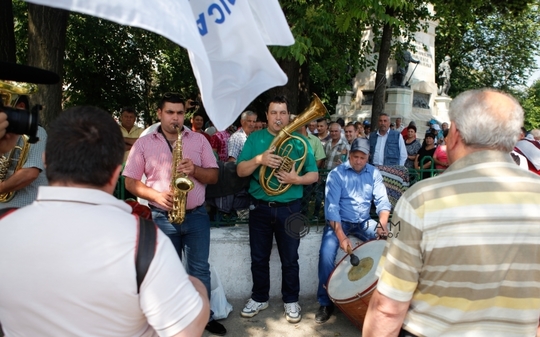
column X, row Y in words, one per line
column 153, row 155
column 24, row 169
column 270, row 210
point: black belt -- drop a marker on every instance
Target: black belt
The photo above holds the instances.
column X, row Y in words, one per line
column 275, row 203
column 162, row 210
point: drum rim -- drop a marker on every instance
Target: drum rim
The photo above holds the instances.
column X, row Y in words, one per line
column 358, row 295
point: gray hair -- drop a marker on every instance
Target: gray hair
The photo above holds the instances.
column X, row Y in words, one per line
column 247, row 113
column 335, row 123
column 535, row 133
column 482, row 122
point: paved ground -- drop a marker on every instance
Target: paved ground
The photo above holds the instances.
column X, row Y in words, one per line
column 271, row 322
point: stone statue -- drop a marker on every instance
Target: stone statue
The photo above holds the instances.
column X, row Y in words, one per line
column 399, row 79
column 445, row 71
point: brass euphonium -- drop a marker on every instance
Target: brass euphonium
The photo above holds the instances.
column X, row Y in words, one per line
column 180, row 184
column 315, row 110
column 6, row 161
column 9, row 92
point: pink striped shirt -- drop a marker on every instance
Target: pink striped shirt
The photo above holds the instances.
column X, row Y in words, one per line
column 151, row 155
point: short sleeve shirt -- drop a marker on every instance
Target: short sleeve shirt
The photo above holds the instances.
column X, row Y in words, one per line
column 151, row 156
column 260, row 141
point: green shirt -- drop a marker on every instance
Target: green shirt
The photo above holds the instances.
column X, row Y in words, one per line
column 317, row 147
column 260, row 141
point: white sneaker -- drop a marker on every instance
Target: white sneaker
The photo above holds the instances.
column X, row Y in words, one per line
column 252, row 308
column 292, row 312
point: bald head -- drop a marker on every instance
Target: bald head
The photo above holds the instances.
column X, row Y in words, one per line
column 487, row 119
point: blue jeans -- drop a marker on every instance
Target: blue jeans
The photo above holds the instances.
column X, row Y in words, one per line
column 364, row 231
column 192, row 238
column 264, row 223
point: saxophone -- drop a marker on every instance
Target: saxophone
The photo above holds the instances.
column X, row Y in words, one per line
column 180, row 184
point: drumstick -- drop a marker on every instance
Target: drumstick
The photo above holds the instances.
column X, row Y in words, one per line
column 354, row 259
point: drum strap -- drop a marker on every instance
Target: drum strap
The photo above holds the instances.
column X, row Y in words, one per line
column 146, row 248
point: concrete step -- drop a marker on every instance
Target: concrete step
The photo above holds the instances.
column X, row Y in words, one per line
column 230, row 257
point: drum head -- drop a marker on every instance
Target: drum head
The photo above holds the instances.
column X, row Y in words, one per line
column 346, row 283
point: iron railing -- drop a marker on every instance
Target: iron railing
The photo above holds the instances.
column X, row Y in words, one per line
column 312, row 201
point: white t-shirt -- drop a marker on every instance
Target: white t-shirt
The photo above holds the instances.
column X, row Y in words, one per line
column 68, row 269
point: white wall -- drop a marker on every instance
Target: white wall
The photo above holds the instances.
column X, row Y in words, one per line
column 230, row 256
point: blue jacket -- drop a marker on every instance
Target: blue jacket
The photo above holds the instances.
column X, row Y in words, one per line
column 391, row 149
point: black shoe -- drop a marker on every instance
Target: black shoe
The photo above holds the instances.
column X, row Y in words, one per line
column 216, row 328
column 324, row 314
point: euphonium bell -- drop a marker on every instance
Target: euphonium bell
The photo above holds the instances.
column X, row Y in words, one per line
column 9, row 93
column 315, row 110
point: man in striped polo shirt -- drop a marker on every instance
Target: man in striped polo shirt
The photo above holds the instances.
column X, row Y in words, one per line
column 466, row 259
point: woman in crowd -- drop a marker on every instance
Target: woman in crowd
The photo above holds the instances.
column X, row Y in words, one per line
column 413, row 145
column 440, row 157
column 426, row 151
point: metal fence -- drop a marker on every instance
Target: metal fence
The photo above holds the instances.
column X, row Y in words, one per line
column 312, row 201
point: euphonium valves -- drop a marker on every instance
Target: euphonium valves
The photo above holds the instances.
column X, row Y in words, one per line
column 283, row 147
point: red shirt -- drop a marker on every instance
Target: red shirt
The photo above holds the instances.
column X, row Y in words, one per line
column 151, row 156
column 219, row 142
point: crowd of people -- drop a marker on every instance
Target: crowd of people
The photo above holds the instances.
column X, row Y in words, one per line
column 465, row 261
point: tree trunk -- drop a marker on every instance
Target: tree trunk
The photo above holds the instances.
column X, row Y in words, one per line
column 304, row 94
column 379, row 95
column 7, row 40
column 290, row 90
column 46, row 45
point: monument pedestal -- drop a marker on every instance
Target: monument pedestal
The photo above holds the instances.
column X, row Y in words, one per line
column 399, row 103
column 442, row 106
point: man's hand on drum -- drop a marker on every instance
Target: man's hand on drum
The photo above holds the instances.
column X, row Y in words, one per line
column 345, row 244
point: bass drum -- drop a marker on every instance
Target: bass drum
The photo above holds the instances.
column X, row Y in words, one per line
column 351, row 287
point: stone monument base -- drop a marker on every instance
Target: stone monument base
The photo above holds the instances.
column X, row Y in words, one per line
column 442, row 106
column 399, row 103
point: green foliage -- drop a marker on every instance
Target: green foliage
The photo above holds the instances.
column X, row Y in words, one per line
column 112, row 66
column 530, row 101
column 491, row 45
column 327, row 38
column 20, row 27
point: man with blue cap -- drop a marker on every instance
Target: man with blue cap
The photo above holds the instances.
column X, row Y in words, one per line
column 350, row 188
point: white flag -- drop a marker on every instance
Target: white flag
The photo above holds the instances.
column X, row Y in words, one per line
column 226, row 41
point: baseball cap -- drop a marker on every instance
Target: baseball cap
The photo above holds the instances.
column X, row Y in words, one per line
column 10, row 71
column 360, row 144
column 366, row 123
column 436, row 127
